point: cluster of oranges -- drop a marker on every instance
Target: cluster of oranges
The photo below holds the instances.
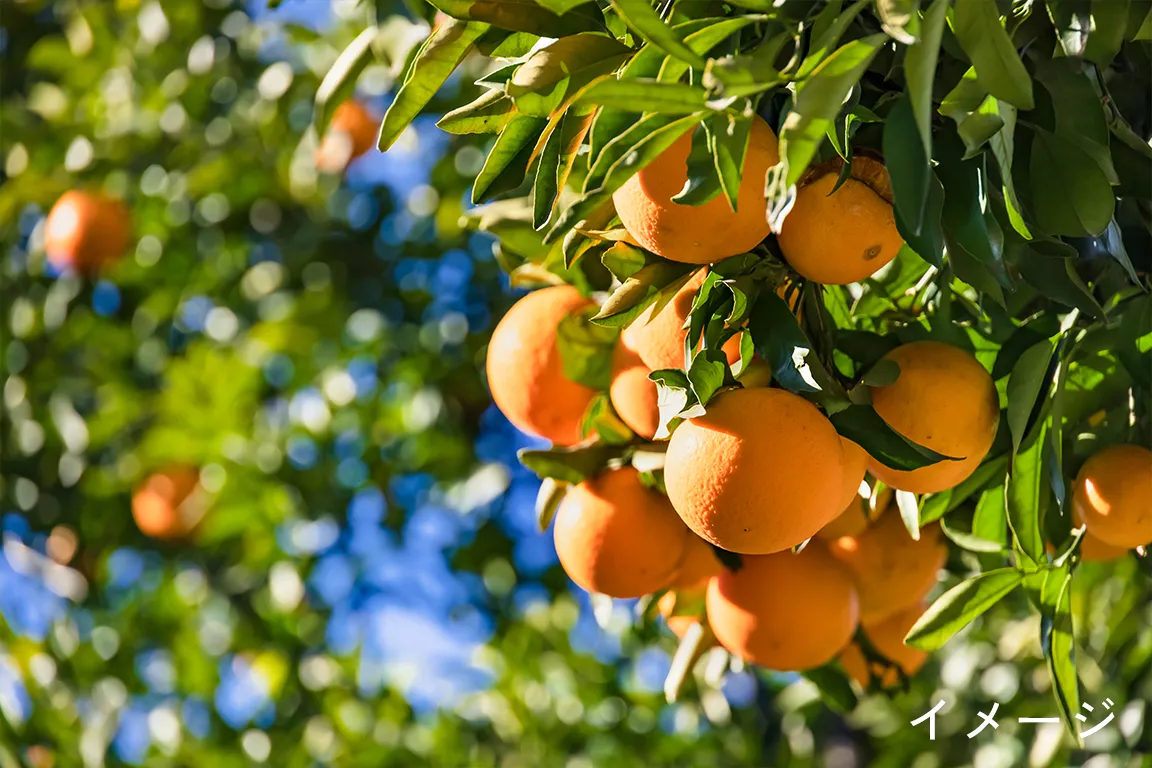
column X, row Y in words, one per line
column 87, row 231
column 763, row 470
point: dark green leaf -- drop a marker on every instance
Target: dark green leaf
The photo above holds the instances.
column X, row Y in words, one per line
column 1026, row 496
column 1028, row 382
column 781, row 342
column 1050, row 267
column 834, row 687
column 674, row 396
column 1057, row 639
column 862, row 425
column 1071, row 194
column 436, row 60
column 829, row 27
column 907, row 165
column 977, row 114
column 702, row 184
column 508, row 157
column 957, row 607
column 929, row 244
column 570, row 465
column 487, row 114
column 976, row 24
column 974, row 253
column 920, row 69
column 709, row 372
column 1079, row 111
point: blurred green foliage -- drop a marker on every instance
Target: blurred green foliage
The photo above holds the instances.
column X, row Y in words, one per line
column 285, row 332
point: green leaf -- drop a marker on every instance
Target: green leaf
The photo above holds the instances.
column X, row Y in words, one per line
column 435, row 61
column 640, row 289
column 340, row 81
column 701, row 41
column 525, row 16
column 834, row 687
column 1079, row 111
column 555, row 163
column 781, row 342
column 976, row 24
column 990, row 520
column 929, row 243
column 586, row 351
column 1026, row 496
column 908, row 167
column 730, row 134
column 909, row 513
column 970, row 541
column 703, row 184
column 1071, row 194
column 862, row 425
column 487, row 114
column 959, row 606
column 920, row 69
column 1050, row 267
column 1057, row 640
column 674, row 396
column 642, row 17
column 501, row 44
column 620, row 145
column 508, row 157
column 977, row 114
column 570, row 465
column 1072, row 23
column 646, row 95
column 540, row 85
column 709, row 372
column 1109, row 23
column 818, row 101
column 972, row 249
column 1029, row 380
column 829, row 27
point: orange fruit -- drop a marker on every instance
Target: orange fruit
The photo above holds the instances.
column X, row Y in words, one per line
column 760, row 472
column 659, row 338
column 698, row 564
column 1113, row 495
column 943, row 400
column 698, row 234
column 892, row 571
column 784, row 611
column 887, row 637
column 159, row 504
column 1093, row 550
column 633, row 394
column 86, row 231
column 351, row 132
column 526, row 372
column 855, row 465
column 617, row 537
column 857, row 516
column 845, row 236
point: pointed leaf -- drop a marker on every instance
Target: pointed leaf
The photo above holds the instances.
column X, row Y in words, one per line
column 976, row 24
column 487, row 114
column 642, row 17
column 513, row 145
column 1071, row 194
column 957, row 607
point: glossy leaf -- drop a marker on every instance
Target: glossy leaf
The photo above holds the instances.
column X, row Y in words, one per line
column 1071, row 193
column 920, row 68
column 959, row 606
column 642, row 17
column 977, row 27
column 526, row 16
column 508, row 157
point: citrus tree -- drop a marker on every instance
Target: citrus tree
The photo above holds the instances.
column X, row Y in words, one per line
column 797, row 256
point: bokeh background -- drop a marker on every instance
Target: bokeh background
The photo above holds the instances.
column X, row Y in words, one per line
column 368, row 586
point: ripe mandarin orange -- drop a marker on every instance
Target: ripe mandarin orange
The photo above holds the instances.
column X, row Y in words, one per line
column 855, row 465
column 760, row 472
column 158, row 505
column 1113, row 495
column 526, row 372
column 698, row 564
column 351, row 132
column 698, row 234
column 943, row 400
column 892, row 571
column 659, row 338
column 858, row 515
column 845, row 236
column 887, row 637
column 86, row 231
column 784, row 611
column 633, row 394
column 615, row 536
